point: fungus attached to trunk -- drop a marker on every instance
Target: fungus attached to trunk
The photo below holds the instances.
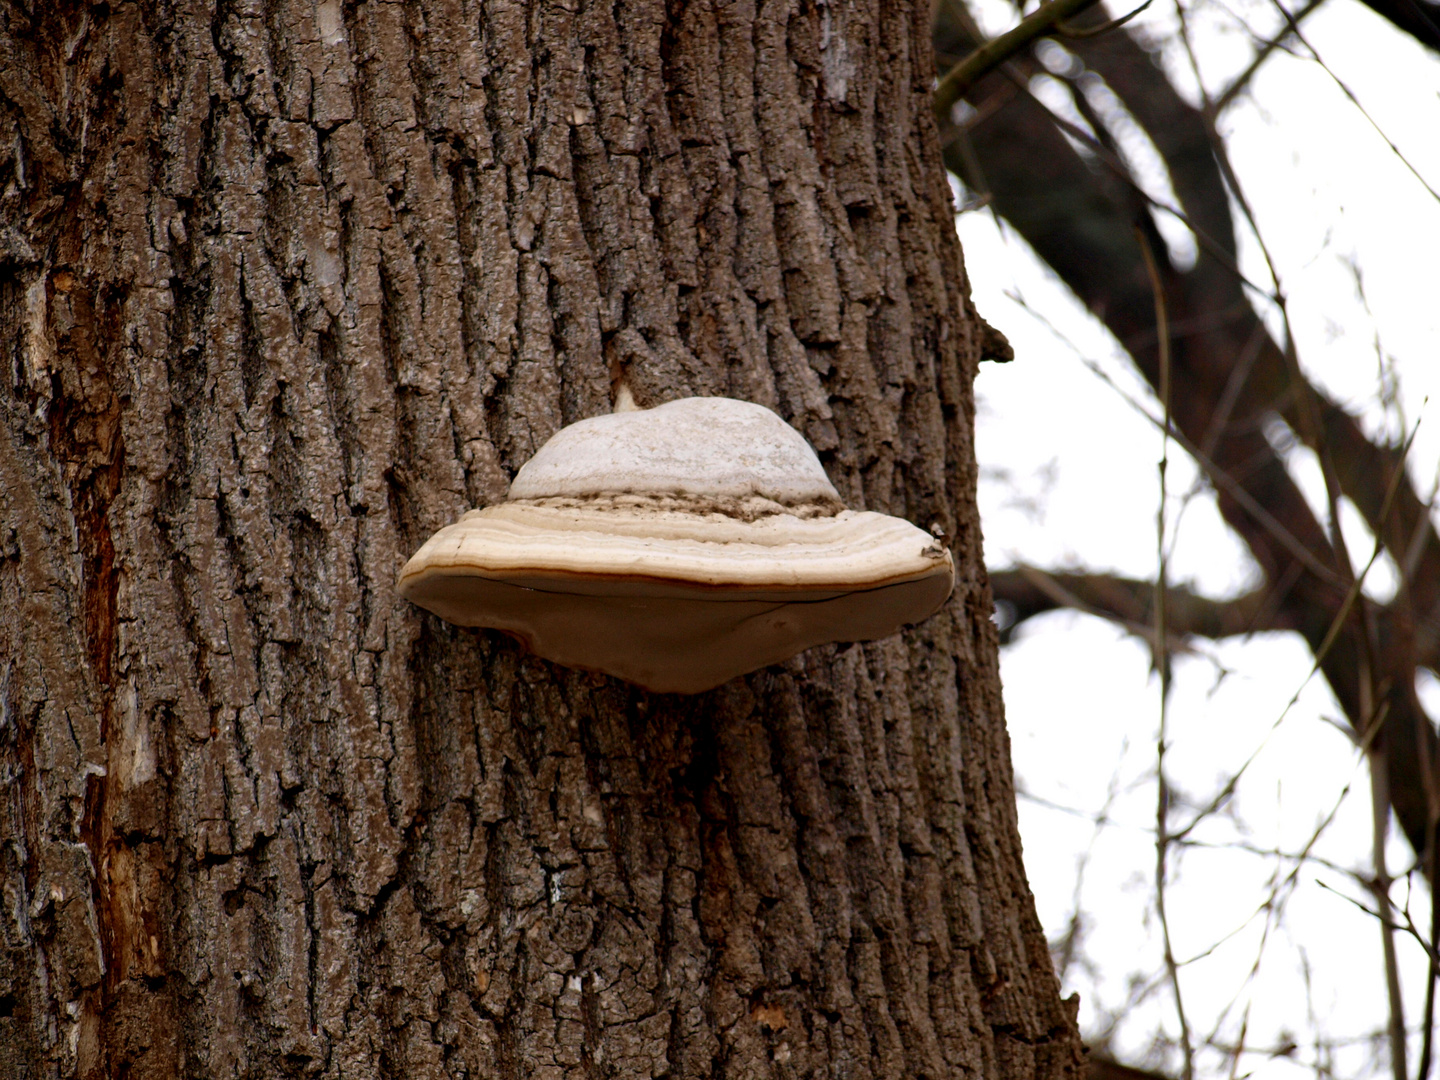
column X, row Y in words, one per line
column 678, row 547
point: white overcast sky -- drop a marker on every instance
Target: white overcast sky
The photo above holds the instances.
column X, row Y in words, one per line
column 1069, row 479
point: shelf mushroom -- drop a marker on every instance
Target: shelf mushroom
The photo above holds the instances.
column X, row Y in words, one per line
column 678, row 547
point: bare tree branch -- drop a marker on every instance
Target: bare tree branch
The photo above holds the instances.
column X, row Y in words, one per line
column 1081, row 221
column 1103, row 28
column 1380, row 888
column 1418, row 18
column 989, row 55
column 1025, row 592
column 1236, row 88
column 1103, row 1068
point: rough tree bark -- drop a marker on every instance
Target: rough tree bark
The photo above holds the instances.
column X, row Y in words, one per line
column 284, row 286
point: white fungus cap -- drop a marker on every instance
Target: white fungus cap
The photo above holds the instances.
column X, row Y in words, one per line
column 715, row 447
column 678, row 547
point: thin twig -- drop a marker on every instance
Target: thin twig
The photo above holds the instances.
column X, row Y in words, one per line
column 1208, row 244
column 1371, row 717
column 1273, row 907
column 1301, row 857
column 1217, row 475
column 1262, row 54
column 1266, row 519
column 1312, row 430
column 1408, row 927
column 1082, row 32
column 1162, row 658
column 1272, row 911
column 1380, row 887
column 1239, row 376
column 1427, row 1026
column 1344, row 89
column 990, row 55
column 1074, row 933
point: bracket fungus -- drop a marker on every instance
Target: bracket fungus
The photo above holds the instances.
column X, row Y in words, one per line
column 677, row 547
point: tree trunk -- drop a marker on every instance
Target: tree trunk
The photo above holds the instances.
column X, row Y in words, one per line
column 287, row 286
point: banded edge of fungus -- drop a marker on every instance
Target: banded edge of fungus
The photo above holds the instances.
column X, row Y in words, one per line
column 678, row 547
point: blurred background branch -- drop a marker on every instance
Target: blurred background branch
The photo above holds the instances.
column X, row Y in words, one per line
column 1081, row 221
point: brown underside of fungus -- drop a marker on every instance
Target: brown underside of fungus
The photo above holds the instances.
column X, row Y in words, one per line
column 678, row 547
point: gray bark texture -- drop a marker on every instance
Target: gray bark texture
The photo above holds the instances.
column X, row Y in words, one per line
column 284, row 287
